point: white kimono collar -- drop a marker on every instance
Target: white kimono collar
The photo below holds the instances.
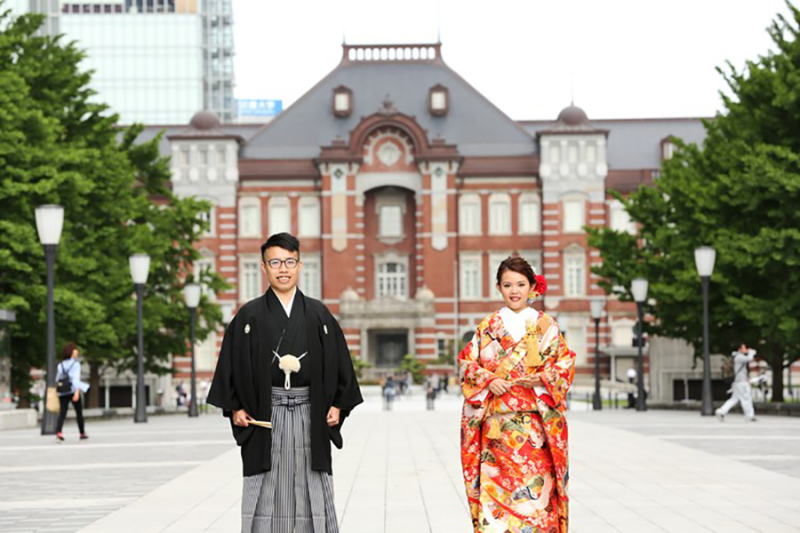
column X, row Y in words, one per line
column 516, row 323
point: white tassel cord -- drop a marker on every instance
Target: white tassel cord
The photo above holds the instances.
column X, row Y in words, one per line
column 288, row 363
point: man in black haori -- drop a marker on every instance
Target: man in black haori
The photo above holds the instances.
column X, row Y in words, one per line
column 284, row 360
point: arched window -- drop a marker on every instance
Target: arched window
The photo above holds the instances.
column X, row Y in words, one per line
column 499, row 214
column 250, row 216
column 392, row 279
column 280, row 215
column 530, row 214
column 469, row 214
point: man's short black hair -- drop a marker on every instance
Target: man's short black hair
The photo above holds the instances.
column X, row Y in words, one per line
column 287, row 241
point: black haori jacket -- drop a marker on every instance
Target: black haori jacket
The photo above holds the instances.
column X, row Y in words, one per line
column 243, row 377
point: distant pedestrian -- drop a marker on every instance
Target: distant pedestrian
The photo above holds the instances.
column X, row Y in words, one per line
column 740, row 389
column 69, row 387
column 389, row 393
column 202, row 400
column 430, row 396
column 631, row 380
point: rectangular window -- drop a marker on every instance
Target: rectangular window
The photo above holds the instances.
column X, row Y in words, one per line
column 221, row 156
column 279, row 218
column 529, row 217
column 183, row 157
column 250, row 280
column 392, row 280
column 206, row 354
column 201, row 269
column 248, row 220
column 469, row 218
column 202, row 157
column 309, row 220
column 534, row 258
column 555, row 155
column 572, row 154
column 495, row 258
column 622, row 335
column 470, row 278
column 591, row 153
column 576, row 340
column 310, row 277
column 342, row 102
column 499, row 217
column 574, row 216
column 438, row 100
column 621, row 220
column 209, row 217
column 574, row 274
column 391, row 221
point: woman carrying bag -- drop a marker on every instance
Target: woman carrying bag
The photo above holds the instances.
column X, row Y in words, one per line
column 69, row 387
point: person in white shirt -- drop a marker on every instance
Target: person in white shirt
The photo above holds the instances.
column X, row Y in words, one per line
column 740, row 389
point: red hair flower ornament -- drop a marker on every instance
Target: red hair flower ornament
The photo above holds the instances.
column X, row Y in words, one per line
column 538, row 289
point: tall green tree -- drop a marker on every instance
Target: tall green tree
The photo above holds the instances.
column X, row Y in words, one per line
column 57, row 145
column 737, row 193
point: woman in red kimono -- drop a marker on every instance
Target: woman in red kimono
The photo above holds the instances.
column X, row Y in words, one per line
column 515, row 374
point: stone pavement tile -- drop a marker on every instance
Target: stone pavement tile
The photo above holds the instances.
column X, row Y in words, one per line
column 211, row 509
column 400, row 471
column 177, row 500
column 121, row 462
column 710, row 490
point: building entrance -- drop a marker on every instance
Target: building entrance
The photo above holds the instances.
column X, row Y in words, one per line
column 390, row 347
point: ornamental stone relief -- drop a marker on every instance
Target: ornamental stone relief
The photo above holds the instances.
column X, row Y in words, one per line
column 389, row 154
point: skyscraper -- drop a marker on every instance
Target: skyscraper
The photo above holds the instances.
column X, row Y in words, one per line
column 155, row 61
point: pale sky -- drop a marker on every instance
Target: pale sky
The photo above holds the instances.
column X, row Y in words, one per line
column 619, row 58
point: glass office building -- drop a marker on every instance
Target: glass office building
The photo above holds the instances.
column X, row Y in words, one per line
column 155, row 61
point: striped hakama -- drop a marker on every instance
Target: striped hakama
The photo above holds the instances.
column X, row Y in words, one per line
column 290, row 498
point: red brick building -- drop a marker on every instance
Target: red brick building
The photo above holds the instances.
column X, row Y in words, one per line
column 407, row 188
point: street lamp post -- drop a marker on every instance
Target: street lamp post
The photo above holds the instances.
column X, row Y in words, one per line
column 191, row 293
column 639, row 290
column 704, row 258
column 140, row 268
column 597, row 314
column 49, row 223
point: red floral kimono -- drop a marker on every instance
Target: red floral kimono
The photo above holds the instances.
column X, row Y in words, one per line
column 514, row 447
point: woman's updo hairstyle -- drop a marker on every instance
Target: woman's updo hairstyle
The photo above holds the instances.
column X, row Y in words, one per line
column 515, row 263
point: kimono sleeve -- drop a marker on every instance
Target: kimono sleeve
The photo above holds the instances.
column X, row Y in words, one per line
column 474, row 378
column 348, row 393
column 223, row 391
column 559, row 370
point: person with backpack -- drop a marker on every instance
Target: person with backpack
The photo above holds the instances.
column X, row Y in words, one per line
column 69, row 387
column 740, row 388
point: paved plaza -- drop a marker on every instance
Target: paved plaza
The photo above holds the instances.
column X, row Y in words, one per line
column 399, row 472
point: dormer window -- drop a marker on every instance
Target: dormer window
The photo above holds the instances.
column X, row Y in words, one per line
column 342, row 101
column 439, row 100
column 667, row 148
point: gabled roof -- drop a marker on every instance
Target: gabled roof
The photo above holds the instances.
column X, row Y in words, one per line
column 475, row 125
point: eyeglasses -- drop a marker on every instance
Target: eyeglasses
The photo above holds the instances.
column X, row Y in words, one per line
column 291, row 263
